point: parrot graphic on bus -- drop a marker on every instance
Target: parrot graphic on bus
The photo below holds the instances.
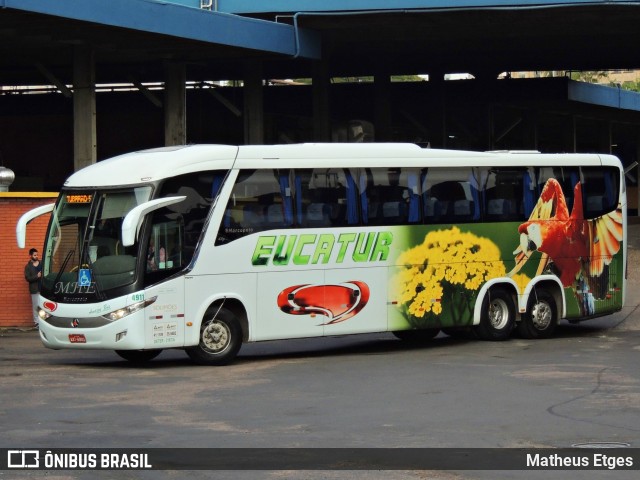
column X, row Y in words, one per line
column 577, row 250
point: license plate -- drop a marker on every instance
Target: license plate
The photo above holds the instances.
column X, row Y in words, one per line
column 77, row 338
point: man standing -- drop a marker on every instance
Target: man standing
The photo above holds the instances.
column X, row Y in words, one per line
column 33, row 274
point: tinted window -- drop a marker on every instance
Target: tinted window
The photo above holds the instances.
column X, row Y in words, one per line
column 600, row 187
column 451, row 195
column 326, row 197
column 505, row 197
column 176, row 229
column 567, row 177
column 392, row 196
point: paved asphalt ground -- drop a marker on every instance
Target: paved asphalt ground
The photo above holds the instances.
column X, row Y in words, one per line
column 364, row 391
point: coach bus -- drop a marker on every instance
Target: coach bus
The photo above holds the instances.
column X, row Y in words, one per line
column 206, row 247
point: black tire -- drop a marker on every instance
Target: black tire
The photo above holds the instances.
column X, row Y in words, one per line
column 497, row 317
column 220, row 339
column 138, row 356
column 541, row 318
column 417, row 336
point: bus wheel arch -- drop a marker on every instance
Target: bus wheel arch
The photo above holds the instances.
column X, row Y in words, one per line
column 497, row 312
column 543, row 310
column 235, row 306
column 222, row 332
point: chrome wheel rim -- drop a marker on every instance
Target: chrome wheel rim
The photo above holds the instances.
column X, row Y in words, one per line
column 216, row 337
column 541, row 315
column 498, row 314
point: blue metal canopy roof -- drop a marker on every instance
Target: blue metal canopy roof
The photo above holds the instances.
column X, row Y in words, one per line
column 405, row 36
column 244, row 7
column 173, row 18
column 358, row 37
column 603, row 96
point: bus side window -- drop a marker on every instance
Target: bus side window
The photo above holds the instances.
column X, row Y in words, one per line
column 324, row 197
column 393, row 196
column 430, row 204
column 504, row 194
column 382, row 196
column 450, row 195
column 176, row 229
column 599, row 191
column 256, row 204
column 567, row 177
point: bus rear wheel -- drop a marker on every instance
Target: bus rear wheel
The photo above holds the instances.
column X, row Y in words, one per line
column 138, row 356
column 220, row 339
column 498, row 316
column 541, row 318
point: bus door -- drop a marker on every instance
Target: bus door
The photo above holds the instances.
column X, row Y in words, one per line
column 165, row 258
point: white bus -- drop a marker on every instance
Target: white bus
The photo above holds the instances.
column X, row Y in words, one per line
column 206, row 247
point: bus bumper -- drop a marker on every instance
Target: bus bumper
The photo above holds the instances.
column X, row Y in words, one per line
column 124, row 334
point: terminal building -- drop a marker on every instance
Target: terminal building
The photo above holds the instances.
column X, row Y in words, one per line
column 84, row 80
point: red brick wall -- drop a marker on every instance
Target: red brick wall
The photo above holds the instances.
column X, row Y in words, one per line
column 15, row 303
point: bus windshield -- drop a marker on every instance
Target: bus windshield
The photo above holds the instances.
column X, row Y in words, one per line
column 84, row 255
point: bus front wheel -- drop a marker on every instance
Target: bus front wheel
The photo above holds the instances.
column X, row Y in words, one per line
column 498, row 316
column 541, row 318
column 220, row 339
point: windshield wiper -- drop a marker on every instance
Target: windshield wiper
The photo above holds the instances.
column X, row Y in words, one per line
column 64, row 265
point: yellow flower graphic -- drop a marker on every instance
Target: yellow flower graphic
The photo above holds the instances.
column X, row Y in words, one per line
column 449, row 266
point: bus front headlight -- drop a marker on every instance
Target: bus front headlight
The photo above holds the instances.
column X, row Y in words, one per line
column 43, row 314
column 123, row 312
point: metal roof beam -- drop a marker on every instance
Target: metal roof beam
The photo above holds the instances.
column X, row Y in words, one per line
column 604, row 96
column 62, row 88
column 155, row 101
column 281, row 6
column 183, row 22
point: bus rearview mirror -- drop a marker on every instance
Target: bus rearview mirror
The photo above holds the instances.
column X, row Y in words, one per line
column 133, row 221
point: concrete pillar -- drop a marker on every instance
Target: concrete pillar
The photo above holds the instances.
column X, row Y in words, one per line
column 84, row 108
column 175, row 104
column 321, row 83
column 253, row 104
column 382, row 103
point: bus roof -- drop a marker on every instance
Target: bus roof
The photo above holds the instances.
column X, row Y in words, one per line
column 155, row 164
column 359, row 155
column 149, row 165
